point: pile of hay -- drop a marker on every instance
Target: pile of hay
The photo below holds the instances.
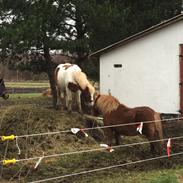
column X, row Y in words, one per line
column 29, row 119
column 32, row 119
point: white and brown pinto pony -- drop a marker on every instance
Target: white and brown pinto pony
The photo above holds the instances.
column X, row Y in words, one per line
column 70, row 79
column 115, row 113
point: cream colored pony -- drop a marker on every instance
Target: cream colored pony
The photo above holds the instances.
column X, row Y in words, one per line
column 70, row 79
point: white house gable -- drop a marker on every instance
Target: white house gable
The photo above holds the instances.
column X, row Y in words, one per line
column 145, row 71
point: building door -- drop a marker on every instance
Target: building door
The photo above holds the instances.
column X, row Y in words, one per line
column 181, row 78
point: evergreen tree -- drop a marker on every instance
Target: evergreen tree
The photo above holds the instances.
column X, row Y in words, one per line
column 114, row 20
column 34, row 25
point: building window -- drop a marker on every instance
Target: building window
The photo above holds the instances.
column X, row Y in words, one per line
column 117, row 65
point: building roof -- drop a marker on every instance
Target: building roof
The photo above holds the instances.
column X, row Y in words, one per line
column 138, row 35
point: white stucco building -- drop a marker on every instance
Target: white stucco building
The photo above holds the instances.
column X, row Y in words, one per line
column 145, row 69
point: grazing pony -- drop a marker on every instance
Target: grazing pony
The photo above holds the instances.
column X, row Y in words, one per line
column 70, row 79
column 3, row 92
column 115, row 113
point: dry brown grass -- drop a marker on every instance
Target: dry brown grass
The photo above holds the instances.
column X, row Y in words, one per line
column 34, row 115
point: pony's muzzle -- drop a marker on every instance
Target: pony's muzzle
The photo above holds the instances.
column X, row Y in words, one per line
column 91, row 103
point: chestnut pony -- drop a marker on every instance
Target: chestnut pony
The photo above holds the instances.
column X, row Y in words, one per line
column 115, row 113
column 3, row 92
column 71, row 80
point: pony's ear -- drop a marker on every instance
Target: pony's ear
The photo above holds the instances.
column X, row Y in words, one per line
column 93, row 83
column 96, row 94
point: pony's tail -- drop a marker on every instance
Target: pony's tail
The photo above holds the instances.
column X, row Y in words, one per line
column 158, row 126
column 56, row 74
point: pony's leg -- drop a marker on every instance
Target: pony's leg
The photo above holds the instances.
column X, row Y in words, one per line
column 65, row 100
column 58, row 97
column 69, row 100
column 65, row 103
column 156, row 147
column 151, row 137
column 154, row 132
column 152, row 144
column 159, row 132
column 109, row 134
column 153, row 148
column 78, row 98
column 117, row 138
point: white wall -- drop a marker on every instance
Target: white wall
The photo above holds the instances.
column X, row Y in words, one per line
column 150, row 70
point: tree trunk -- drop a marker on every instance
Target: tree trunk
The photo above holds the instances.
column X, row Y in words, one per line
column 81, row 31
column 51, row 77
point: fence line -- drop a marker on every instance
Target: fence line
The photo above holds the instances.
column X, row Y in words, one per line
column 42, row 134
column 106, row 168
column 93, row 150
column 94, row 128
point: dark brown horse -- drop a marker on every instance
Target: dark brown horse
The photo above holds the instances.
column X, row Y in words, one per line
column 115, row 113
column 3, row 92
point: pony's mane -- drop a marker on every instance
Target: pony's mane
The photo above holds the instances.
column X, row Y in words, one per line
column 106, row 103
column 91, row 88
column 81, row 79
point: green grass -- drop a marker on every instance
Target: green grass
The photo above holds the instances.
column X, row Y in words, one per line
column 26, row 99
column 121, row 175
column 24, row 95
column 28, row 84
column 163, row 176
column 165, row 179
